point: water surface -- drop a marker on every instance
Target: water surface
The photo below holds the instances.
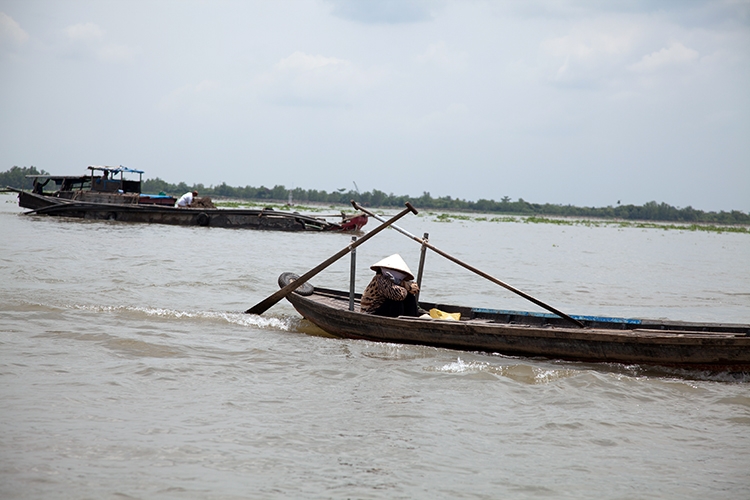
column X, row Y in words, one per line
column 128, row 370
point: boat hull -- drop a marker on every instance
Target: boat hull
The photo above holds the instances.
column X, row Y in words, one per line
column 33, row 201
column 694, row 345
column 160, row 214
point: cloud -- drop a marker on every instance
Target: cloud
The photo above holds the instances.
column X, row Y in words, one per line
column 314, row 80
column 452, row 117
column 588, row 46
column 383, row 11
column 116, row 53
column 674, row 55
column 590, row 54
column 87, row 32
column 10, row 30
column 196, row 99
column 439, row 55
column 299, row 61
column 87, row 40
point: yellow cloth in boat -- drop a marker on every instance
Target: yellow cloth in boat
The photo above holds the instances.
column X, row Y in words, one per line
column 438, row 314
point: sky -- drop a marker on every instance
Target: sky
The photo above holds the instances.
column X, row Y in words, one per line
column 577, row 102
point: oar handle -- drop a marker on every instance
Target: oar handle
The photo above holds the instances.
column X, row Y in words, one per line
column 474, row 269
column 267, row 303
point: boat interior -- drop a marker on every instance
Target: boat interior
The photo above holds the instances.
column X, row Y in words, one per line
column 341, row 300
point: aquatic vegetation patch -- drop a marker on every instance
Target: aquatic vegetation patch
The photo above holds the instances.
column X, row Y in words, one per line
column 504, row 219
column 526, row 219
column 533, row 219
column 638, row 225
column 281, row 207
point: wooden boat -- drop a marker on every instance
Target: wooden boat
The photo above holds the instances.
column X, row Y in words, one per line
column 101, row 195
column 704, row 346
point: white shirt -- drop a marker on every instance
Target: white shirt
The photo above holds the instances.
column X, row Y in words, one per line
column 185, row 200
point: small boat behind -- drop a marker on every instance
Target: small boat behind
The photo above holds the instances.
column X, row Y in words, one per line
column 107, row 194
column 703, row 346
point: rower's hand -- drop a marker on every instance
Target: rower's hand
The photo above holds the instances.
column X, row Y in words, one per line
column 411, row 287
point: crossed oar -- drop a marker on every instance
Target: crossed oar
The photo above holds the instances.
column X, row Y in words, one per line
column 270, row 301
column 472, row 268
column 267, row 303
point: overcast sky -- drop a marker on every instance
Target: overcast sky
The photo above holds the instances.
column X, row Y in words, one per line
column 574, row 102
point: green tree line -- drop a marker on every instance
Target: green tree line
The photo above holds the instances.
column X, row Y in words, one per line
column 651, row 211
column 16, row 177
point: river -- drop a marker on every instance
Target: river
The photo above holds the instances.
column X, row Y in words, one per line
column 128, row 369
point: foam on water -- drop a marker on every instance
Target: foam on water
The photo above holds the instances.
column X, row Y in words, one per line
column 284, row 324
column 510, row 368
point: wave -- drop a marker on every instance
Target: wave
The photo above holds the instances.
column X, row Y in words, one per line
column 235, row 318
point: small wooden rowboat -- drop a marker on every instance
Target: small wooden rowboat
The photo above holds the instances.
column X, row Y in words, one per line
column 705, row 346
column 702, row 346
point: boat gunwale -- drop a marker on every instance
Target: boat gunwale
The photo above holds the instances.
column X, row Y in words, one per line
column 638, row 325
column 710, row 350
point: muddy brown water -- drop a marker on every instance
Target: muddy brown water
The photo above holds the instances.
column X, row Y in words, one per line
column 128, row 370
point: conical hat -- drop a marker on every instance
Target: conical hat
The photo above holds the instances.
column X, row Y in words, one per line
column 394, row 262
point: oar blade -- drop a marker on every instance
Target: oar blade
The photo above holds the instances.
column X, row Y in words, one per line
column 271, row 301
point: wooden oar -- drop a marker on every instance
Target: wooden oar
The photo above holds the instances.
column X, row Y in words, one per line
column 473, row 269
column 267, row 303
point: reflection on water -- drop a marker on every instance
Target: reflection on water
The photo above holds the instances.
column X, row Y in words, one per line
column 128, row 368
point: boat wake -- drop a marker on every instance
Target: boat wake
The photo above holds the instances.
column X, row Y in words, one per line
column 529, row 374
column 522, row 372
column 234, row 318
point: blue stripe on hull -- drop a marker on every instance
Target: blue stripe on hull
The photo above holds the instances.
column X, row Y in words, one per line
column 599, row 319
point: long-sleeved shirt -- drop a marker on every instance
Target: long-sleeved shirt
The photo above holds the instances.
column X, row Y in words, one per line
column 380, row 289
column 185, row 200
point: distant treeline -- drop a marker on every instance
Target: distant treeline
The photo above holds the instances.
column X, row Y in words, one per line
column 651, row 211
column 16, row 177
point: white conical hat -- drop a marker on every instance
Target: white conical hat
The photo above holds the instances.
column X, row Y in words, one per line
column 394, row 262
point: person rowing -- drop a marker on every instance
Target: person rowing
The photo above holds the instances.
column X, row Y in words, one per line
column 392, row 291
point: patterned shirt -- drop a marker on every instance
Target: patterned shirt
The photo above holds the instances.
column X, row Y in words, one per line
column 380, row 289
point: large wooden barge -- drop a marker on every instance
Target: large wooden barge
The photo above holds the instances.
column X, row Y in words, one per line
column 106, row 194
